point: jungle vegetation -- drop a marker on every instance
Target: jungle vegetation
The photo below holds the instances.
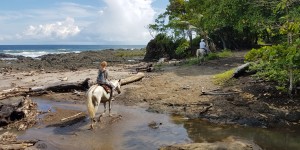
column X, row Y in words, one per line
column 271, row 28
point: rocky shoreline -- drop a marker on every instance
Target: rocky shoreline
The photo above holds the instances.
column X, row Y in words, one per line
column 66, row 62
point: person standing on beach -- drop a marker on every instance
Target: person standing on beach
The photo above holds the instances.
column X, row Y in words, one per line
column 102, row 78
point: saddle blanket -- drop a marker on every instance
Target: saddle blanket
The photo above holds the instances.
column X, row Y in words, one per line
column 106, row 88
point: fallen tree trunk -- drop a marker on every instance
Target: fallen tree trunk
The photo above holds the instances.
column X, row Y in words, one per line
column 240, row 70
column 67, row 87
column 60, row 87
column 134, row 78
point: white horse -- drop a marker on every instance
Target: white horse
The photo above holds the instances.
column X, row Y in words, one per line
column 96, row 95
column 200, row 53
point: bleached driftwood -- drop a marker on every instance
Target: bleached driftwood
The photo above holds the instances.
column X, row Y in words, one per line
column 63, row 119
column 16, row 91
column 216, row 93
column 9, row 141
column 134, row 78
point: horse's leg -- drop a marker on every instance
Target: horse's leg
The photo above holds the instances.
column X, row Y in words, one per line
column 109, row 107
column 92, row 123
column 202, row 53
column 96, row 103
column 197, row 55
column 201, row 58
column 104, row 104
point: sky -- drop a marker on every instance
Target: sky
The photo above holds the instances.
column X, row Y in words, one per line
column 99, row 22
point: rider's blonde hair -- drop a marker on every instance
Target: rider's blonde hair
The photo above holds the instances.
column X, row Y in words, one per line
column 103, row 64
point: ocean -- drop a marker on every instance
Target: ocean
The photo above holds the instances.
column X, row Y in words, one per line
column 39, row 50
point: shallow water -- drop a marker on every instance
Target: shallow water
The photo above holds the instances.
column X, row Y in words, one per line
column 133, row 132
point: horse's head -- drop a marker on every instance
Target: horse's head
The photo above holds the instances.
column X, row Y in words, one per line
column 118, row 86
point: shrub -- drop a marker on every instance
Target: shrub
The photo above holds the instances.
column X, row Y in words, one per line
column 181, row 49
column 279, row 63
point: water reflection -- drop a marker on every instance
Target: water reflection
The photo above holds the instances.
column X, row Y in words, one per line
column 275, row 139
column 133, row 132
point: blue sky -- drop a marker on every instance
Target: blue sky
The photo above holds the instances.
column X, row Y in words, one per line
column 78, row 21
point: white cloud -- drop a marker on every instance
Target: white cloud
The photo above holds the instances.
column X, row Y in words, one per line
column 116, row 22
column 124, row 21
column 60, row 30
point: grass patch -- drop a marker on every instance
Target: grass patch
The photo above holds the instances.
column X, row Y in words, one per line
column 225, row 53
column 212, row 56
column 130, row 53
column 222, row 54
column 191, row 61
column 224, row 78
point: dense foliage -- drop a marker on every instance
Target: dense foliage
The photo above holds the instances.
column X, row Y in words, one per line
column 161, row 46
column 280, row 63
column 230, row 24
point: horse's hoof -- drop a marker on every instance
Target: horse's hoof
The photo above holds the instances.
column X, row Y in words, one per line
column 91, row 127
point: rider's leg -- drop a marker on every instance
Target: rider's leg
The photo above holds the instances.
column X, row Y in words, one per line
column 111, row 91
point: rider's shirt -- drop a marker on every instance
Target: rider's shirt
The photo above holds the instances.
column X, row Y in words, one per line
column 102, row 76
column 202, row 45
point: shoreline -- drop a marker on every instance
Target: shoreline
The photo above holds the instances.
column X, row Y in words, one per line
column 69, row 61
column 35, row 51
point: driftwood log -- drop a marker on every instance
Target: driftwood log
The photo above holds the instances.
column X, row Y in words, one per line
column 216, row 92
column 60, row 87
column 57, row 87
column 9, row 141
column 17, row 91
column 66, row 87
column 147, row 68
column 134, row 78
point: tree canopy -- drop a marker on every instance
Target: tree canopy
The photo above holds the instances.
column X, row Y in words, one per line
column 231, row 24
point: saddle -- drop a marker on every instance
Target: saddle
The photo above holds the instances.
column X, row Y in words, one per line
column 106, row 88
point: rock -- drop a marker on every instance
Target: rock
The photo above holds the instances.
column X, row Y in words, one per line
column 64, row 79
column 293, row 116
column 154, row 125
column 228, row 144
column 162, row 60
column 20, row 116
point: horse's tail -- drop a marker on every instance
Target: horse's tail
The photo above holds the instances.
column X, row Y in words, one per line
column 89, row 102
